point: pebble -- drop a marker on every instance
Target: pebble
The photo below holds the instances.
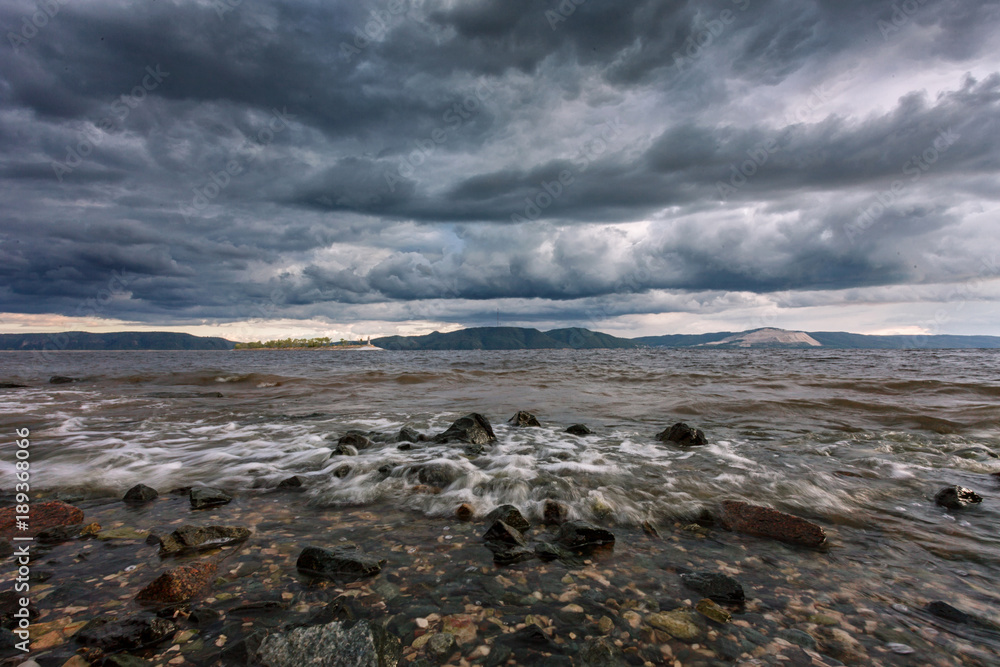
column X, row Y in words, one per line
column 901, row 649
column 901, row 608
column 422, row 623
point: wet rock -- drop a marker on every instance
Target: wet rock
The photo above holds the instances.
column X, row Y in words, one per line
column 58, row 534
column 440, row 646
column 140, row 493
column 715, row 586
column 798, row 637
column 532, row 636
column 957, row 497
column 554, row 512
column 125, row 634
column 947, row 612
column 677, row 624
column 123, row 533
column 437, row 474
column 503, row 533
column 342, row 471
column 346, row 559
column 473, row 428
column 577, row 534
column 506, row 554
column 407, row 434
column 600, row 652
column 332, row 645
column 707, row 608
column 523, row 418
column 345, row 450
column 293, row 482
column 204, row 496
column 766, row 522
column 204, row 616
column 978, row 452
column 683, row 435
column 579, row 429
column 123, row 660
column 179, row 584
column 43, row 516
column 404, row 446
column 510, row 515
column 62, row 379
column 464, row 512
column 187, row 539
column 356, row 440
column 12, row 385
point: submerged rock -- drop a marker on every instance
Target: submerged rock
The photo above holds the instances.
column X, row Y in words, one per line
column 473, row 428
column 126, row 634
column 334, row 644
column 356, row 440
column 140, row 493
column 503, row 533
column 554, row 512
column 44, row 516
column 577, row 534
column 523, row 418
column 12, row 385
column 179, row 584
column 345, row 450
column 342, row 471
column 510, row 515
column 293, row 482
column 437, row 474
column 715, row 586
column 766, row 522
column 62, row 379
column 957, row 497
column 709, row 609
column 677, row 624
column 346, row 559
column 683, row 435
column 601, row 652
column 187, row 539
column 204, row 496
column 579, row 429
column 947, row 612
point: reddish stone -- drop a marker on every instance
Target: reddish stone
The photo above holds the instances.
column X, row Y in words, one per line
column 41, row 516
column 766, row 522
column 179, row 584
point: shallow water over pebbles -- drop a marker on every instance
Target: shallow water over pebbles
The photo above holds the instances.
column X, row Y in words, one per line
column 857, row 441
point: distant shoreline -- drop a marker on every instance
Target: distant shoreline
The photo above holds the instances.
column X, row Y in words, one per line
column 324, row 348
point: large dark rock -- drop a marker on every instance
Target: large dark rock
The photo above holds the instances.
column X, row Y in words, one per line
column 293, row 482
column 578, row 534
column 579, row 429
column 407, row 434
column 126, row 634
column 715, row 586
column 139, row 494
column 473, row 428
column 523, row 418
column 179, row 584
column 188, row 539
column 355, row 439
column 957, row 497
column 947, row 612
column 12, row 385
column 62, row 379
column 344, row 560
column 554, row 512
column 766, row 522
column 510, row 516
column 203, row 496
column 43, row 516
column 344, row 450
column 503, row 533
column 438, row 474
column 335, row 644
column 683, row 435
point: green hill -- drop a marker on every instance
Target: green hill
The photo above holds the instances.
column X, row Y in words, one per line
column 505, row 338
column 119, row 340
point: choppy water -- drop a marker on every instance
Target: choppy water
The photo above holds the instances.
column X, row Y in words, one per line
column 858, row 441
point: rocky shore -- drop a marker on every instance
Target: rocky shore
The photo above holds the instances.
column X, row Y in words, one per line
column 210, row 576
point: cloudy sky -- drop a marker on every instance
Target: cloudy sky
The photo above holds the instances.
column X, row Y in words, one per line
column 252, row 168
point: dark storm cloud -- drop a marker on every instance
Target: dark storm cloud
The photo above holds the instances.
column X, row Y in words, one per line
column 353, row 159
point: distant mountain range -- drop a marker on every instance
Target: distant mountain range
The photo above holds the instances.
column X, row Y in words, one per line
column 519, row 338
column 119, row 340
